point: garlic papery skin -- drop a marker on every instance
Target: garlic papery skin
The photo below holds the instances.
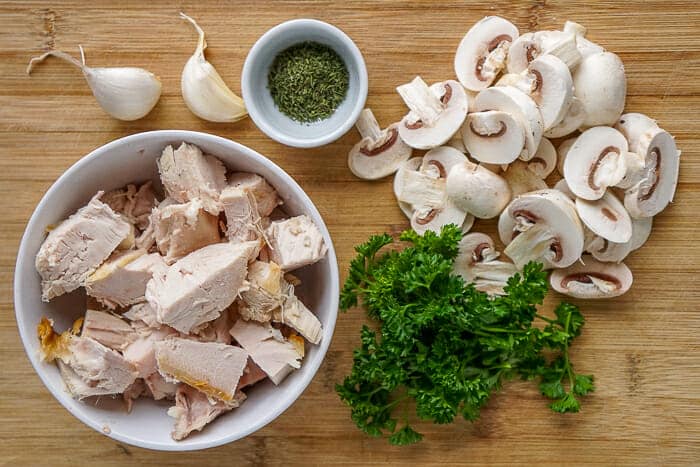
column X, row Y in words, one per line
column 203, row 89
column 125, row 93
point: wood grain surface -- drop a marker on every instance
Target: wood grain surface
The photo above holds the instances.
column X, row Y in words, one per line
column 643, row 347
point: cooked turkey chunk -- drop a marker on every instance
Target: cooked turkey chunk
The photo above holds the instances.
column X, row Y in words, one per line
column 193, row 410
column 121, row 281
column 74, row 249
column 266, row 198
column 211, row 367
column 197, row 288
column 107, row 329
column 295, row 242
column 242, row 217
column 187, row 174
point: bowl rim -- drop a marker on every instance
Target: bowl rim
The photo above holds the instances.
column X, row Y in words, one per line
column 251, row 104
column 334, row 286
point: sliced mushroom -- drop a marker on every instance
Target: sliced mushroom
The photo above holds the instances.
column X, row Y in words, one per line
column 658, row 178
column 572, row 120
column 493, row 136
column 468, row 223
column 601, row 86
column 604, row 250
column 380, row 152
column 477, row 190
column 541, row 226
column 634, row 170
column 530, row 46
column 521, row 179
column 638, row 129
column 562, row 151
column 457, row 142
column 545, row 159
column 439, row 161
column 481, row 54
column 592, row 279
column 436, row 112
column 515, row 102
column 606, row 217
column 595, row 161
column 435, row 218
column 400, row 178
column 419, row 188
column 477, row 262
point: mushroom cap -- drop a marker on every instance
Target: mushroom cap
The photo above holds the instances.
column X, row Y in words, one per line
column 606, row 217
column 545, row 159
column 372, row 159
column 520, row 105
column 477, row 190
column 562, row 151
column 552, row 88
column 641, row 229
column 572, row 120
column 659, row 177
column 595, row 161
column 493, row 136
column 557, row 234
column 601, row 86
column 435, row 218
column 481, row 53
column 468, row 223
column 592, row 279
column 454, row 110
column 638, row 129
column 399, row 179
column 521, row 179
column 439, row 161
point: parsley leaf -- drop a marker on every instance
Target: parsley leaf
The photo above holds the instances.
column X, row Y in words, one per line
column 442, row 344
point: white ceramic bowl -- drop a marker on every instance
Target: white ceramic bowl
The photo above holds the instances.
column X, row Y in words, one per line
column 133, row 159
column 259, row 102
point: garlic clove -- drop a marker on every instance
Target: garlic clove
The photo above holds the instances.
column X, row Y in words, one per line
column 125, row 93
column 203, row 89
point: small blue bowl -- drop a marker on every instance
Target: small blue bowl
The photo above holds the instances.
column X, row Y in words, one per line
column 258, row 100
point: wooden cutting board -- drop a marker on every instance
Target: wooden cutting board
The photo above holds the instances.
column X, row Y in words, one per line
column 643, row 347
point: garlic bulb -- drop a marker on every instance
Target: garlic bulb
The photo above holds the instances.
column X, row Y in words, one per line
column 126, row 93
column 203, row 90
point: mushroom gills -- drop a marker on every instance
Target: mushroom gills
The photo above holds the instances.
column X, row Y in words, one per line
column 591, row 279
column 380, row 152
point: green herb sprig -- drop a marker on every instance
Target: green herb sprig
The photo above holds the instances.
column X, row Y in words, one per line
column 308, row 81
column 445, row 345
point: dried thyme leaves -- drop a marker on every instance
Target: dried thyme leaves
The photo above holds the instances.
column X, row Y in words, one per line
column 308, row 81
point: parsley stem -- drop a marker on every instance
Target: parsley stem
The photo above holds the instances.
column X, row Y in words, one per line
column 544, row 318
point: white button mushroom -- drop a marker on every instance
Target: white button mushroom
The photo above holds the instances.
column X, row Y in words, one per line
column 400, row 179
column 521, row 179
column 477, row 262
column 515, row 102
column 545, row 159
column 562, row 151
column 584, row 46
column 436, row 112
column 541, row 226
column 481, row 54
column 606, row 217
column 592, row 279
column 529, row 46
column 477, row 190
column 600, row 84
column 380, row 152
column 595, row 161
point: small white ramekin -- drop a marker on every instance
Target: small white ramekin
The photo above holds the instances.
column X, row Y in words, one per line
column 258, row 100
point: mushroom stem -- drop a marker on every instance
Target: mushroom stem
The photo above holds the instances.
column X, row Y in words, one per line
column 531, row 245
column 575, row 28
column 368, row 126
column 566, row 51
column 420, row 99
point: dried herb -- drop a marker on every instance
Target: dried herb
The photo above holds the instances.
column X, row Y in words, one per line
column 308, row 81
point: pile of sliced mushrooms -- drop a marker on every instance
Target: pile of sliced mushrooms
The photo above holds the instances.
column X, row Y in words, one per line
column 489, row 150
